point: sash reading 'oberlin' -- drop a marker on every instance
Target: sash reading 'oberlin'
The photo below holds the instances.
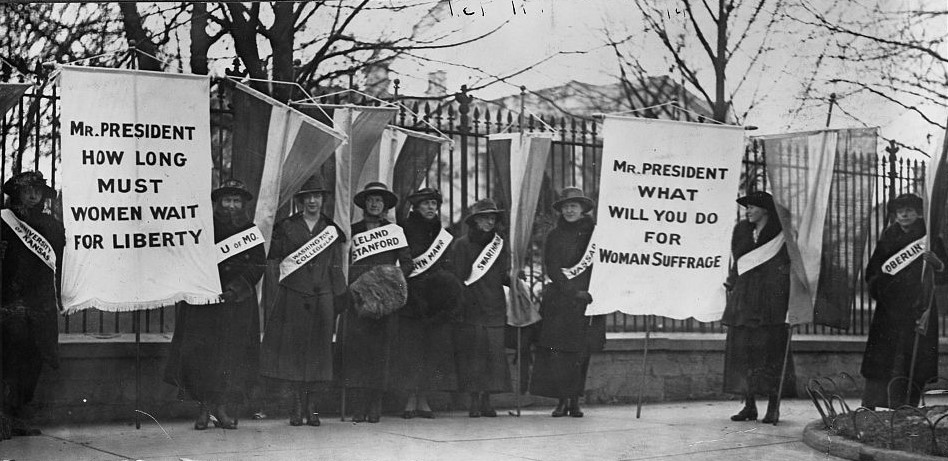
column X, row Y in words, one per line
column 32, row 239
column 239, row 243
column 378, row 240
column 486, row 259
column 583, row 264
column 760, row 254
column 308, row 251
column 427, row 259
column 905, row 256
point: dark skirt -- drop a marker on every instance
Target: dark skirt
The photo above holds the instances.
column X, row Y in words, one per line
column 423, row 356
column 559, row 374
column 890, row 394
column 367, row 350
column 753, row 359
column 297, row 343
column 481, row 359
column 21, row 365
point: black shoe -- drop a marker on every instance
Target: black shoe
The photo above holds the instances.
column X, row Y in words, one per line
column 296, row 410
column 203, row 419
column 223, row 420
column 21, row 429
column 426, row 414
column 573, row 409
column 313, row 420
column 360, row 418
column 771, row 417
column 560, row 410
column 312, row 413
column 408, row 414
column 375, row 410
column 474, row 413
column 746, row 414
column 487, row 410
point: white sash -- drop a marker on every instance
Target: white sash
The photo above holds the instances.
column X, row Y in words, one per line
column 433, row 254
column 308, row 251
column 760, row 254
column 378, row 240
column 239, row 243
column 32, row 239
column 485, row 260
column 583, row 264
column 905, row 256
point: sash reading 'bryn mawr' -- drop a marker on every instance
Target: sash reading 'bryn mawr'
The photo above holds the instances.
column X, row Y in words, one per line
column 32, row 239
column 239, row 243
column 486, row 259
column 760, row 254
column 308, row 251
column 905, row 256
column 378, row 240
column 433, row 254
column 583, row 264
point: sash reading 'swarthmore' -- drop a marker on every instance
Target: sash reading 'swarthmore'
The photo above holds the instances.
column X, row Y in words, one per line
column 905, row 256
column 308, row 251
column 378, row 240
column 239, row 243
column 583, row 264
column 486, row 259
column 32, row 239
column 433, row 254
column 760, row 254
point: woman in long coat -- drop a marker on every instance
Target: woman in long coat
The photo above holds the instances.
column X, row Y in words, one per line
column 216, row 348
column 900, row 301
column 567, row 336
column 296, row 353
column 482, row 260
column 756, row 311
column 28, row 317
column 377, row 290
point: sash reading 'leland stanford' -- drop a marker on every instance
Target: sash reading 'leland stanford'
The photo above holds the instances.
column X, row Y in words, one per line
column 239, row 243
column 486, row 259
column 308, row 251
column 905, row 256
column 583, row 264
column 760, row 254
column 378, row 240
column 433, row 254
column 32, row 239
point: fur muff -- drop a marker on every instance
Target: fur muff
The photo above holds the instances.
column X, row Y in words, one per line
column 379, row 292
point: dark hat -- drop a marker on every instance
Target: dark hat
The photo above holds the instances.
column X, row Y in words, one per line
column 232, row 187
column 482, row 207
column 313, row 184
column 906, row 201
column 759, row 199
column 27, row 179
column 574, row 194
column 426, row 193
column 376, row 188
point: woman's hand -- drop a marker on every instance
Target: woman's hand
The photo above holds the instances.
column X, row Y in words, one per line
column 933, row 259
column 583, row 296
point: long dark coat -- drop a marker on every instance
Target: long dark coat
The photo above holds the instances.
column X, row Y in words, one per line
column 898, row 306
column 567, row 336
column 216, row 348
column 297, row 343
column 29, row 313
column 368, row 342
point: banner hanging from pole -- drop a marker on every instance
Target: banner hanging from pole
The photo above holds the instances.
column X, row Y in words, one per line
column 10, row 94
column 665, row 214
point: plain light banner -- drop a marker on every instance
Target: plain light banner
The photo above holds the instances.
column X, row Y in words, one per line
column 665, row 217
column 401, row 160
column 136, row 162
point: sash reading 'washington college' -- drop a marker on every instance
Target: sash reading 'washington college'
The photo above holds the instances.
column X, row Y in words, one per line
column 32, row 239
column 760, row 254
column 583, row 264
column 308, row 251
column 239, row 243
column 905, row 256
column 433, row 254
column 378, row 240
column 486, row 259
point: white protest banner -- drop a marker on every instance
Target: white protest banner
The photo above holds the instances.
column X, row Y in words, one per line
column 136, row 162
column 665, row 215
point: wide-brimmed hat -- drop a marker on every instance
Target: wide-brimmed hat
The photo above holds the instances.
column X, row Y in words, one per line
column 906, row 201
column 759, row 199
column 232, row 187
column 426, row 193
column 313, row 184
column 574, row 194
column 482, row 207
column 376, row 188
column 27, row 179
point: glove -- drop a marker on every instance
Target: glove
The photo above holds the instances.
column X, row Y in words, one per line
column 584, row 296
column 229, row 296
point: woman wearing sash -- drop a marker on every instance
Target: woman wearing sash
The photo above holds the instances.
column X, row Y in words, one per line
column 424, row 357
column 215, row 349
column 482, row 261
column 296, row 354
column 377, row 290
column 756, row 313
column 567, row 336
column 28, row 316
column 895, row 278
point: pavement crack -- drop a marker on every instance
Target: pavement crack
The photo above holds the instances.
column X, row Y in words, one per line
column 89, row 446
column 669, row 455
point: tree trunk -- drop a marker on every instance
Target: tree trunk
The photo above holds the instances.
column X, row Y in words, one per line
column 245, row 43
column 200, row 41
column 720, row 65
column 135, row 32
column 281, row 41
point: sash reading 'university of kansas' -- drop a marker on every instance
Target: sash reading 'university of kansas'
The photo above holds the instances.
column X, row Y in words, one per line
column 30, row 238
column 378, row 240
column 905, row 256
column 239, row 243
column 308, row 251
column 760, row 254
column 433, row 254
column 486, row 259
column 583, row 264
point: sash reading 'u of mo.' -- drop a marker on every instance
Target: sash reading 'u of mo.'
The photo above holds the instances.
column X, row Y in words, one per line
column 905, row 256
column 434, row 252
column 378, row 240
column 760, row 254
column 585, row 263
column 30, row 238
column 486, row 259
column 308, row 251
column 239, row 243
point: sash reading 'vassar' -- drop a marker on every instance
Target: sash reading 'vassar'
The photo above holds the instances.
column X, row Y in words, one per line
column 583, row 264
column 433, row 254
column 308, row 251
column 30, row 238
column 378, row 240
column 905, row 256
column 760, row 254
column 239, row 243
column 486, row 259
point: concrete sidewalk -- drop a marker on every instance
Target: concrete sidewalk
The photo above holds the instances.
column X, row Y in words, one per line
column 668, row 431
